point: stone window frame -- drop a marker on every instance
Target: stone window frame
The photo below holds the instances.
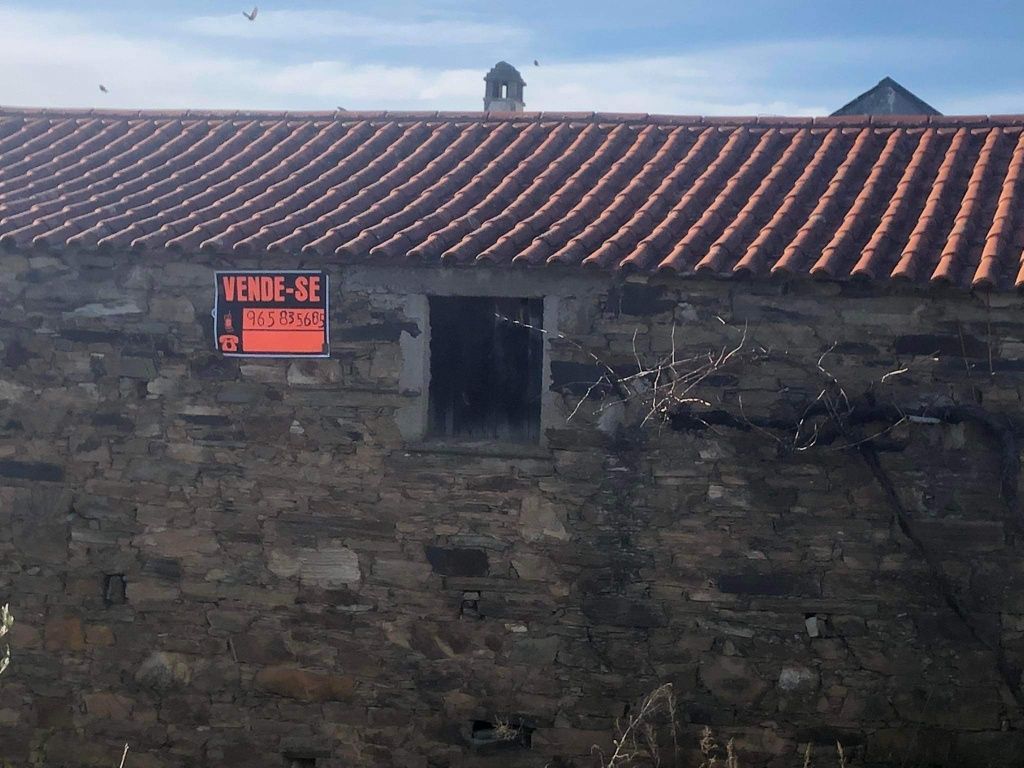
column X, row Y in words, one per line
column 408, row 290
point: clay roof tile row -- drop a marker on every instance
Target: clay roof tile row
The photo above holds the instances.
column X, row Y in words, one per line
column 922, row 198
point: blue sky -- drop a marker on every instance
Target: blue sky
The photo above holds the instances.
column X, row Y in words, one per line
column 684, row 57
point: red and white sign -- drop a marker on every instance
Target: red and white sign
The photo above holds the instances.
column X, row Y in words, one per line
column 272, row 314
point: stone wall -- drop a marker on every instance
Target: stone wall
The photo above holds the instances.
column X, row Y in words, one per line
column 234, row 562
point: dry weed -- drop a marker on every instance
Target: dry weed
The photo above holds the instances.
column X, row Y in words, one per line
column 643, row 737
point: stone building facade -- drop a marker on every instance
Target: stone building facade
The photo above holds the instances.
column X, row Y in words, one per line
column 484, row 524
column 242, row 562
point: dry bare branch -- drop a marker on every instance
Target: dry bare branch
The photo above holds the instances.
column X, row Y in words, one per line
column 637, row 742
column 6, row 622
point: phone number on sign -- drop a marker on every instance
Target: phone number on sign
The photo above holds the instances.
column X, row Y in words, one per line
column 289, row 319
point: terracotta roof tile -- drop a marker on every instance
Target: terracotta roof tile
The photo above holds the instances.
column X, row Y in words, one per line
column 929, row 199
column 915, row 248
column 989, row 272
column 721, row 210
column 831, row 261
column 727, row 245
column 874, row 255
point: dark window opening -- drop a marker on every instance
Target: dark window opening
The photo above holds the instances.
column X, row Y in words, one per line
column 115, row 589
column 485, row 368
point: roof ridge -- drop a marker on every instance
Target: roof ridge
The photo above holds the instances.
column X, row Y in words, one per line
column 780, row 121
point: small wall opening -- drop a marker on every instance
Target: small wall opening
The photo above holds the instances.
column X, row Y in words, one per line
column 486, row 359
column 470, row 606
column 115, row 589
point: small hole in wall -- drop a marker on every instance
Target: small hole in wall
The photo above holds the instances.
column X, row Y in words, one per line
column 500, row 734
column 470, row 607
column 115, row 589
column 816, row 624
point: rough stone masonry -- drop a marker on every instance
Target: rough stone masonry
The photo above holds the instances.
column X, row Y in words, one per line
column 232, row 562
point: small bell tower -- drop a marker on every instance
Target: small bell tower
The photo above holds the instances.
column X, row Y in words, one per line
column 504, row 89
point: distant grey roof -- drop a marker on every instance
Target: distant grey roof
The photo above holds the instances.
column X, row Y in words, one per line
column 505, row 72
column 887, row 98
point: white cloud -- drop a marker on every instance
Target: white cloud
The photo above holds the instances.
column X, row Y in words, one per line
column 985, row 103
column 709, row 83
column 53, row 59
column 371, row 86
column 58, row 59
column 375, row 30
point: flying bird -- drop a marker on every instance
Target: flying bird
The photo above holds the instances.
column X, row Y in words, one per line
column 251, row 16
column 104, row 88
column 536, row 63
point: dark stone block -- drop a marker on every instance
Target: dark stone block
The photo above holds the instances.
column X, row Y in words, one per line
column 327, row 524
column 985, row 749
column 829, row 737
column 501, row 484
column 256, row 648
column 618, row 611
column 854, row 348
column 31, row 470
column 86, row 336
column 186, row 710
column 137, row 368
column 214, row 368
column 18, row 745
column 578, row 378
column 334, row 598
column 116, row 420
column 639, row 299
column 424, row 641
column 457, row 561
column 90, row 443
column 780, row 315
column 331, row 620
column 771, row 584
column 955, row 345
column 1006, row 366
column 389, row 331
column 53, row 712
column 161, row 567
column 148, row 344
column 240, row 537
column 240, row 393
column 205, row 419
column 16, row 355
column 722, row 380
